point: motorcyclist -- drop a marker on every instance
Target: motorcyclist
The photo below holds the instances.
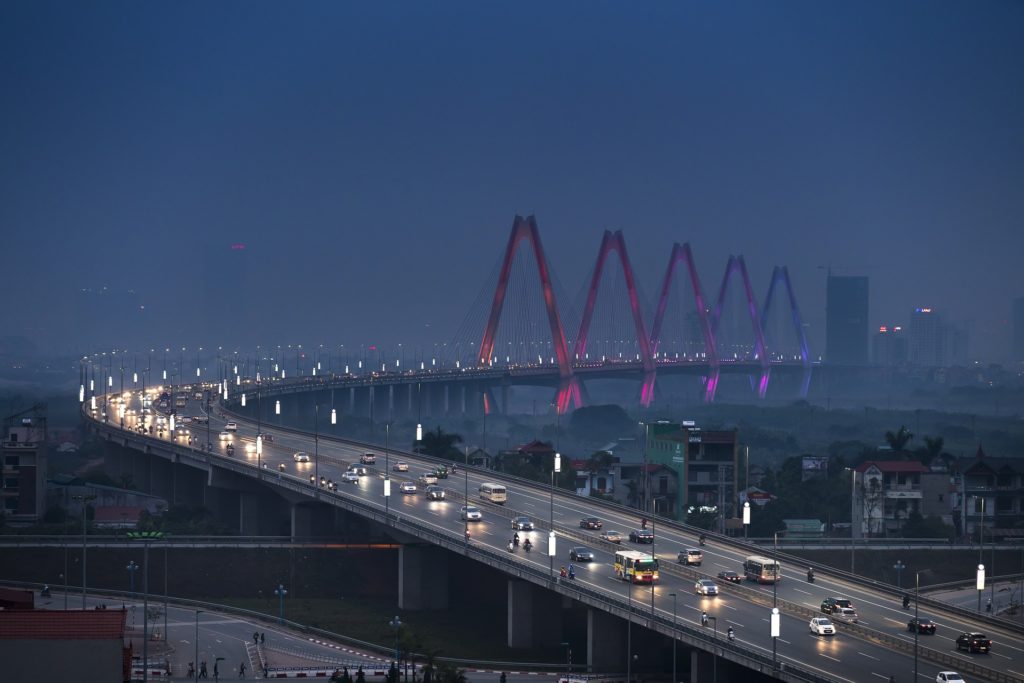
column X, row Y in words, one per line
column 703, row 539
column 731, row 634
column 572, row 573
column 704, row 619
column 511, row 546
column 563, row 573
column 906, row 602
column 643, row 523
column 527, row 545
column 810, row 575
column 515, row 539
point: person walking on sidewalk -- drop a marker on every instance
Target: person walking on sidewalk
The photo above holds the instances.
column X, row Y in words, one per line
column 241, row 670
column 202, row 670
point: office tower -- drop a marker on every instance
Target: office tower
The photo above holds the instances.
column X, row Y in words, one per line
column 846, row 325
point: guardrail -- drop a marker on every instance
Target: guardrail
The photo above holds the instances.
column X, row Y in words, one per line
column 456, row 543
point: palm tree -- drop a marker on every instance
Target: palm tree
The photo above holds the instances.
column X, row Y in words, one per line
column 898, row 441
column 932, row 449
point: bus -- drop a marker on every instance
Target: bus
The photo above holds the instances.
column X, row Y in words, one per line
column 762, row 569
column 636, row 567
column 495, row 493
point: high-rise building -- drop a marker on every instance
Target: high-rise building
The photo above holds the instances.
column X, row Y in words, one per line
column 1017, row 342
column 935, row 342
column 889, row 347
column 846, row 325
column 23, row 485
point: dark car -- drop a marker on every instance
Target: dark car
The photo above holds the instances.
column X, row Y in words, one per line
column 581, row 554
column 922, row 626
column 832, row 605
column 973, row 642
column 590, row 523
column 641, row 536
column 522, row 524
column 730, row 576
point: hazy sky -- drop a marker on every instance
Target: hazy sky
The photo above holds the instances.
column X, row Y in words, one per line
column 370, row 157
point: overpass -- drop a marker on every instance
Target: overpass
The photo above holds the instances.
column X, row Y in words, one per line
column 263, row 485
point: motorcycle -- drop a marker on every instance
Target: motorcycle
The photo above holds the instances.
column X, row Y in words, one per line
column 703, row 539
column 906, row 602
column 731, row 634
column 527, row 546
column 511, row 547
column 810, row 577
column 572, row 574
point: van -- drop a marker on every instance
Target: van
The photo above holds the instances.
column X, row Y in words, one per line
column 494, row 493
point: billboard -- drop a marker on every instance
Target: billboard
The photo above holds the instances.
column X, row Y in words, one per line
column 814, row 466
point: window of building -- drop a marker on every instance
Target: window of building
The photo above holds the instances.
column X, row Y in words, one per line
column 11, row 504
column 11, row 483
column 11, row 461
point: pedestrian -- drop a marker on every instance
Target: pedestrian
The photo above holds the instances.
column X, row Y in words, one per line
column 216, row 671
column 241, row 670
column 504, row 678
column 263, row 638
column 202, row 670
column 255, row 638
column 191, row 670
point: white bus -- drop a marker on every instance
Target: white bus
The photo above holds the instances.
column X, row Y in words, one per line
column 636, row 567
column 762, row 569
column 494, row 493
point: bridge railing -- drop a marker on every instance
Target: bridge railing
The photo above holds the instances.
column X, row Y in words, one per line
column 456, row 543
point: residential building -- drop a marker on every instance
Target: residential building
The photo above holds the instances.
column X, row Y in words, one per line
column 23, row 484
column 690, row 467
column 846, row 324
column 886, row 492
column 991, row 494
column 934, row 342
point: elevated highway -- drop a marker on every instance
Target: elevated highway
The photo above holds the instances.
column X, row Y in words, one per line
column 876, row 648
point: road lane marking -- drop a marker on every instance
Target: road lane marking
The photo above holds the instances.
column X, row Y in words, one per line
column 821, row 654
column 864, row 654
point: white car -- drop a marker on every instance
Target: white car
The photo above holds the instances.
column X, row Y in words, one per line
column 949, row 677
column 400, row 467
column 358, row 470
column 408, row 487
column 230, row 427
column 350, row 477
column 847, row 614
column 428, row 479
column 471, row 513
column 301, row 456
column 822, row 626
column 225, row 435
column 250, row 448
column 705, row 587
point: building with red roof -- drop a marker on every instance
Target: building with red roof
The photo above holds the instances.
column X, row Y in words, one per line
column 56, row 645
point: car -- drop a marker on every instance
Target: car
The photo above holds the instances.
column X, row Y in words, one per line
column 611, row 536
column 301, row 456
column 400, row 467
column 641, row 536
column 581, row 554
column 949, row 677
column 184, row 419
column 522, row 524
column 367, row 458
column 833, row 605
column 408, row 487
column 691, row 557
column 847, row 614
column 230, row 426
column 822, row 626
column 705, row 587
column 350, row 477
column 922, row 625
column 730, row 576
column 471, row 513
column 434, row 493
column 427, row 479
column 224, row 436
column 973, row 642
column 358, row 470
column 590, row 523
column 441, row 472
column 267, row 438
column 250, row 449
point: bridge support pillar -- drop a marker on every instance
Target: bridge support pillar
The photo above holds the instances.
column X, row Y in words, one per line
column 532, row 622
column 606, row 641
column 702, row 666
column 248, row 513
column 422, row 577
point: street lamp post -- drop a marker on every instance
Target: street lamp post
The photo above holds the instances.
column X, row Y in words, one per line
column 715, row 650
column 775, row 632
column 853, row 509
column 746, row 518
column 85, row 500
column 629, row 631
column 196, row 662
column 396, row 624
column 316, row 445
column 899, row 567
column 387, row 470
column 980, row 584
column 280, row 592
column 917, row 614
column 132, row 568
column 551, row 534
column 674, row 637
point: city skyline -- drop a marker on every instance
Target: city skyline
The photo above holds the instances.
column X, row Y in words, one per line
column 370, row 160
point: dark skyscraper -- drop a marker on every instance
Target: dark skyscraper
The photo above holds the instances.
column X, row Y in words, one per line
column 1017, row 343
column 846, row 326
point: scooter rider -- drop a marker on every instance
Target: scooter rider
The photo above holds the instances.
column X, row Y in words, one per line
column 810, row 575
column 906, row 602
column 704, row 619
column 515, row 539
column 527, row 545
column 731, row 634
column 572, row 572
column 511, row 547
column 703, row 539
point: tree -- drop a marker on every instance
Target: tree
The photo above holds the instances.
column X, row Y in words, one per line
column 598, row 461
column 440, row 444
column 917, row 526
column 932, row 449
column 898, row 441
